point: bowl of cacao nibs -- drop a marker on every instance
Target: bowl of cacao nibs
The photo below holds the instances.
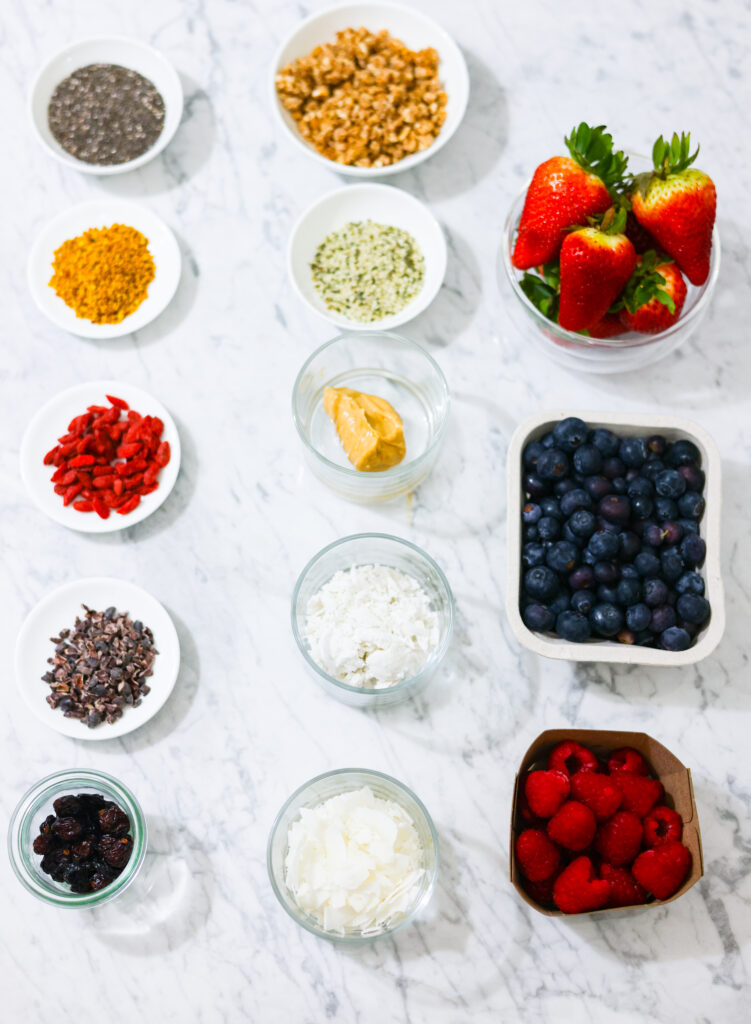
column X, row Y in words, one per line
column 614, row 534
column 77, row 838
column 97, row 658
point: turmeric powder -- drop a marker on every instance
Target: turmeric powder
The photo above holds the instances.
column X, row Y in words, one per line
column 103, row 274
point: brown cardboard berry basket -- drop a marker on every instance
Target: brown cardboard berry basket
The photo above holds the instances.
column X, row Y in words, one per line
column 675, row 777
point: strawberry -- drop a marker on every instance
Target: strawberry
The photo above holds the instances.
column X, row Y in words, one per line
column 677, row 204
column 609, row 327
column 662, row 870
column 573, row 826
column 536, row 856
column 625, row 891
column 629, row 760
column 546, row 791
column 640, row 794
column 619, row 840
column 653, row 298
column 598, row 792
column 566, row 190
column 662, row 825
column 596, row 263
column 577, row 890
column 570, row 756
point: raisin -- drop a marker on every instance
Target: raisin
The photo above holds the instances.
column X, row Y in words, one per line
column 116, row 851
column 67, row 828
column 66, row 807
column 114, row 821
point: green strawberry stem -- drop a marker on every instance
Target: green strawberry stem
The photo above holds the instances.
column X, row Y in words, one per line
column 645, row 284
column 674, row 156
column 592, row 149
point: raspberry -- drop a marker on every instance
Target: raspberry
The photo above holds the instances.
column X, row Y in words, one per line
column 573, row 826
column 626, row 759
column 570, row 757
column 662, row 825
column 536, row 856
column 663, row 869
column 576, row 890
column 619, row 840
column 546, row 791
column 640, row 794
column 598, row 792
column 625, row 891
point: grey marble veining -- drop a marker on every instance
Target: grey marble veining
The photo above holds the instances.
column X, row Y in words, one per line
column 202, row 939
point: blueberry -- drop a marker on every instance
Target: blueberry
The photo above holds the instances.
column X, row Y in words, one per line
column 561, row 602
column 642, row 506
column 691, row 627
column 582, row 601
column 633, row 451
column 532, row 555
column 531, row 454
column 671, row 532
column 671, row 564
column 606, row 441
column 620, row 485
column 538, row 616
column 690, row 583
column 693, row 549
column 604, row 545
column 615, row 508
column 693, row 608
column 675, row 639
column 656, row 444
column 629, row 545
column 534, row 486
column 652, row 469
column 597, row 486
column 682, row 453
column 655, row 592
column 665, row 508
column 607, row 527
column 691, row 505
column 551, row 507
column 541, row 583
column 607, row 594
column 548, row 441
column 631, row 474
column 564, row 486
column 670, row 484
column 629, row 572
column 638, row 617
column 606, row 619
column 647, row 564
column 549, row 528
column 663, row 617
column 693, row 476
column 611, row 468
column 563, row 556
column 588, row 557
column 640, row 485
column 575, row 500
column 531, row 513
column 552, row 464
column 587, row 460
column 581, row 578
column 628, row 592
column 606, row 572
column 582, row 523
column 568, row 534
column 570, row 433
column 573, row 626
column 653, row 535
column 688, row 526
column 531, row 534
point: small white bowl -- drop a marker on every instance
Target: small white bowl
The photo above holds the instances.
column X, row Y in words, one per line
column 98, row 214
column 51, row 422
column 628, row 425
column 383, row 204
column 128, row 53
column 58, row 610
column 416, row 31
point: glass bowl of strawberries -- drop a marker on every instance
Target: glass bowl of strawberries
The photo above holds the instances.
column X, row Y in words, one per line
column 606, row 263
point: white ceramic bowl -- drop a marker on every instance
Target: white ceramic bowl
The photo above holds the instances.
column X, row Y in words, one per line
column 129, row 53
column 626, row 424
column 51, row 422
column 58, row 610
column 415, row 30
column 103, row 213
column 383, row 204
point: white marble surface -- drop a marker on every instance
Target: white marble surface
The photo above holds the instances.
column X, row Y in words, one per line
column 208, row 942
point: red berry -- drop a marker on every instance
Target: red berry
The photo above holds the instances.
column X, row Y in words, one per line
column 598, row 792
column 536, row 856
column 625, row 891
column 663, row 869
column 640, row 794
column 546, row 791
column 626, row 759
column 576, row 889
column 619, row 840
column 662, row 825
column 573, row 826
column 570, row 757
column 540, row 892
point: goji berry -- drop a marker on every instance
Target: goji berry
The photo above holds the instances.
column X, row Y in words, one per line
column 48, row 458
column 100, row 508
column 148, row 488
column 70, row 477
column 72, row 492
column 129, row 505
column 103, row 470
column 151, row 474
column 163, row 453
column 59, row 488
column 127, row 451
column 59, row 474
column 102, row 482
column 117, row 402
column 83, row 506
column 119, row 486
column 82, row 460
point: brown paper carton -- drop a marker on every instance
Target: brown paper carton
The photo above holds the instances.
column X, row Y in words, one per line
column 674, row 776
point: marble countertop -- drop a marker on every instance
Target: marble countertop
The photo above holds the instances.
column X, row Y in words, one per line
column 206, row 940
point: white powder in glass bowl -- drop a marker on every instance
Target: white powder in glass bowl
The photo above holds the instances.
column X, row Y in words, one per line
column 371, row 626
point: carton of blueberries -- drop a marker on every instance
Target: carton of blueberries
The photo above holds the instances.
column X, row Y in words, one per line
column 614, row 538
column 602, row 820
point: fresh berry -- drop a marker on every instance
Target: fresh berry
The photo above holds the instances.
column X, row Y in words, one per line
column 598, row 792
column 619, row 840
column 677, row 204
column 573, row 826
column 640, row 238
column 653, row 299
column 625, row 891
column 640, row 794
column 540, row 892
column 693, row 608
column 570, row 757
column 609, row 326
column 663, row 869
column 570, row 434
column 577, row 890
column 626, row 759
column 662, row 825
column 536, row 856
column 675, row 638
column 573, row 625
column 546, row 791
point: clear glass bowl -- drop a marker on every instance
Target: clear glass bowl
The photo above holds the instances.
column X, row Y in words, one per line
column 332, row 784
column 34, row 807
column 374, row 549
column 629, row 351
column 383, row 364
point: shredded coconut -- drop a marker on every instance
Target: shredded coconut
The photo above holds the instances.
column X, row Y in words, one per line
column 371, row 626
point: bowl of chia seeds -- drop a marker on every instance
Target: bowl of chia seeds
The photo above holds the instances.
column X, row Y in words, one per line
column 367, row 257
column 107, row 105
